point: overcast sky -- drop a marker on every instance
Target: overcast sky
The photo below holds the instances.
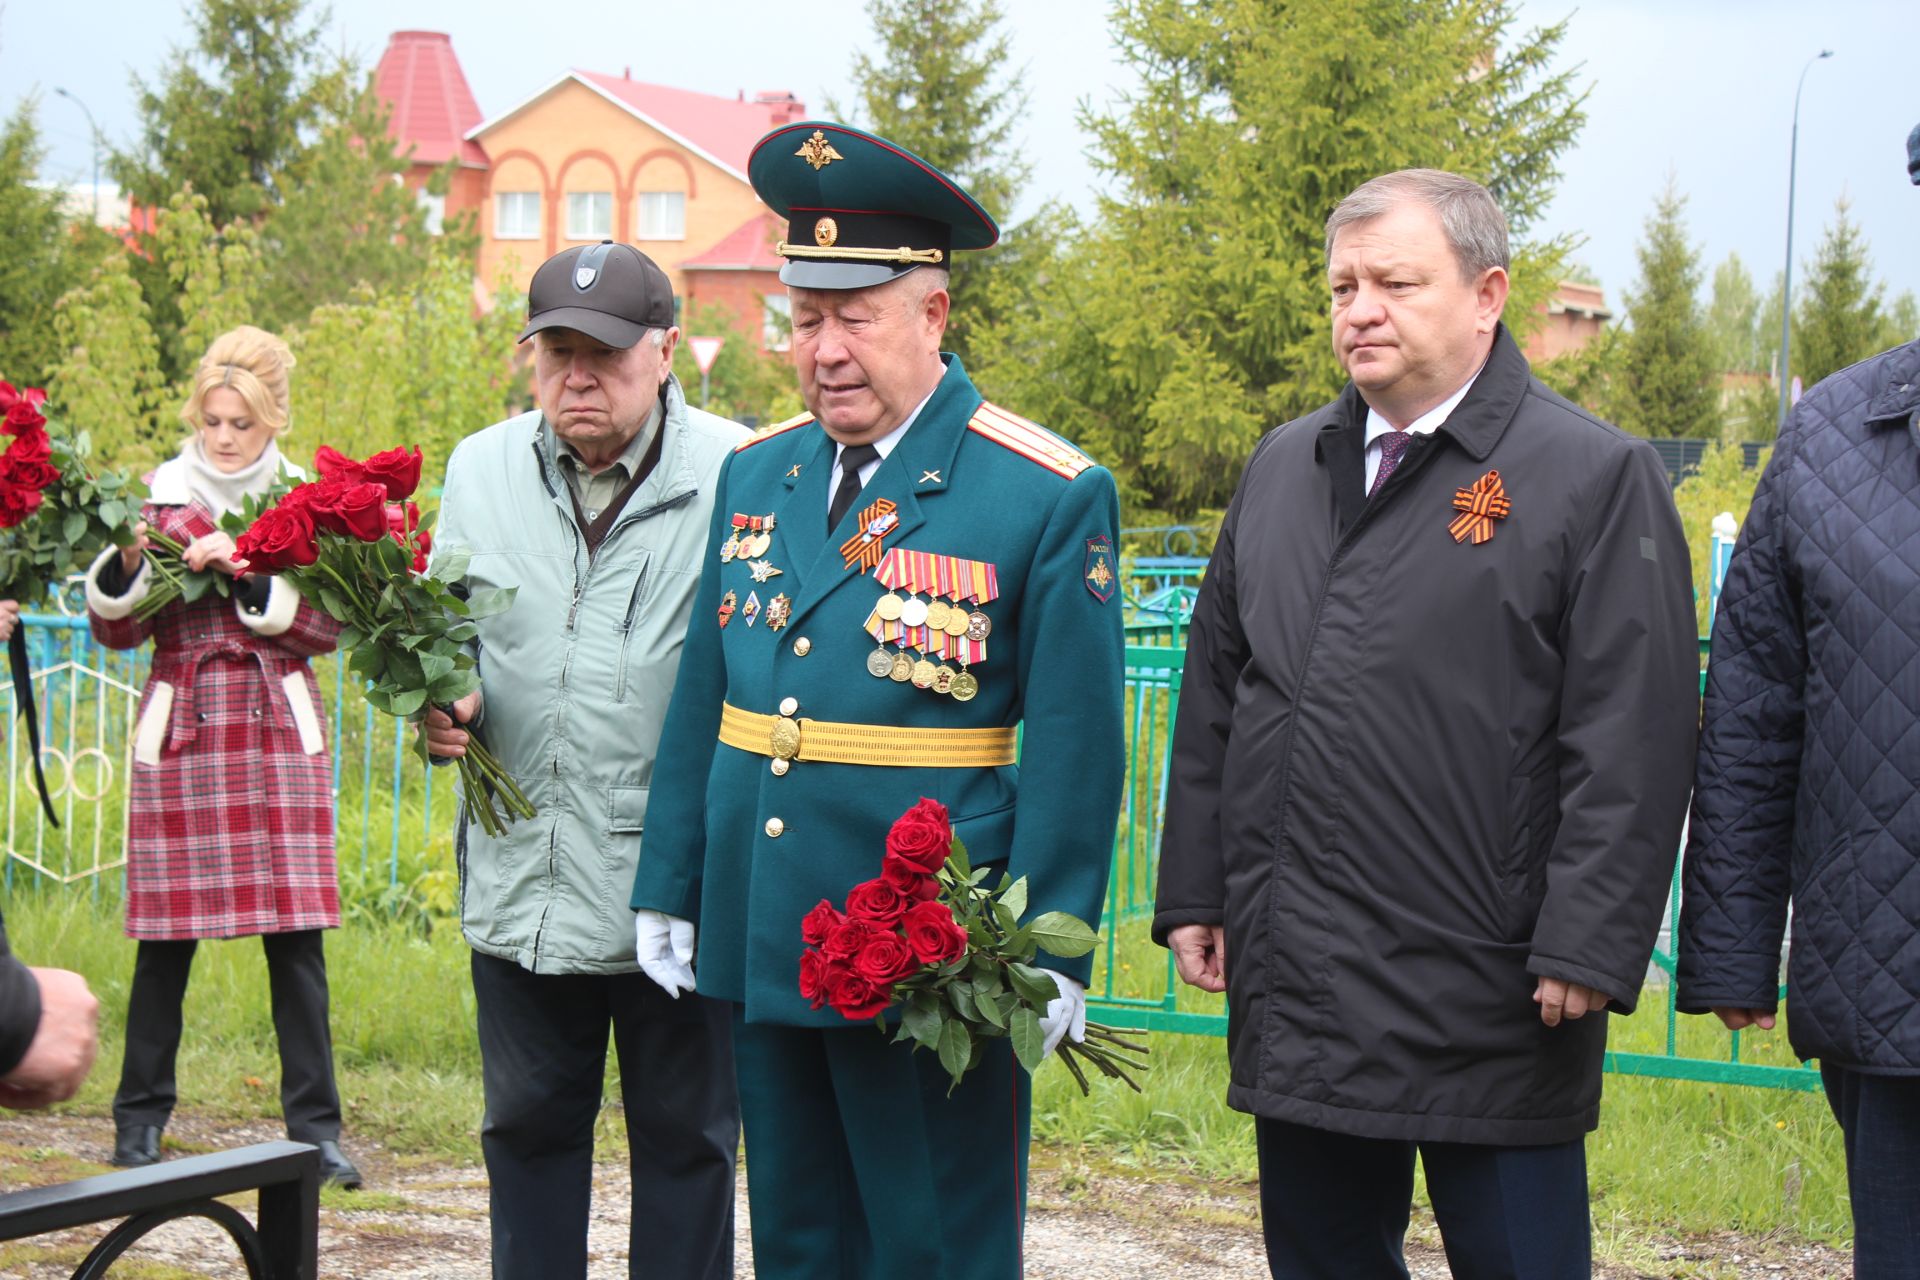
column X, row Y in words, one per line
column 1701, row 89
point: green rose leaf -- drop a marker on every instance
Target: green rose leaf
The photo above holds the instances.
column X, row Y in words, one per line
column 490, row 600
column 407, row 702
column 1063, row 935
column 922, row 1023
column 956, row 1047
column 1023, row 1028
column 1014, row 898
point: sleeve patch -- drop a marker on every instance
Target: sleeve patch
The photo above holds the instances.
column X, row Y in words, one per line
column 1099, row 573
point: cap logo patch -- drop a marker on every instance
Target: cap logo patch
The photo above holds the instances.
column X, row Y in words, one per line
column 818, row 152
column 825, row 232
column 583, row 277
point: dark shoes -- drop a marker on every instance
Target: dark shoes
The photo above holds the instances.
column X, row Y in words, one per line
column 137, row 1146
column 335, row 1169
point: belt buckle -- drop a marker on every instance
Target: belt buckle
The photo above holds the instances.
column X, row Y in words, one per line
column 784, row 740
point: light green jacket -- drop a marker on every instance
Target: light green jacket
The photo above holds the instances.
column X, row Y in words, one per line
column 574, row 678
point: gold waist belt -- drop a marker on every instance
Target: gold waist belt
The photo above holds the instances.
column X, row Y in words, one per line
column 785, row 738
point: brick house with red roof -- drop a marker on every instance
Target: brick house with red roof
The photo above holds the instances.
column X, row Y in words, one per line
column 591, row 156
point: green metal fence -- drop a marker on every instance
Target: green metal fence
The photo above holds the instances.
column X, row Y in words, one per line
column 393, row 826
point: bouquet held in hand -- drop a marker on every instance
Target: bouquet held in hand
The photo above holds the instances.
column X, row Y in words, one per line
column 354, row 544
column 927, row 935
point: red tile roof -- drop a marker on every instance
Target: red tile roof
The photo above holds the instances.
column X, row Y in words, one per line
column 747, row 248
column 432, row 108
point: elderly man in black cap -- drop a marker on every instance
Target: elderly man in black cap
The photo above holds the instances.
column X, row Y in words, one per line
column 924, row 571
column 595, row 506
column 1807, row 787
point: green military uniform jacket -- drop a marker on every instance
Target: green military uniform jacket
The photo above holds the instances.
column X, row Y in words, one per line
column 746, row 851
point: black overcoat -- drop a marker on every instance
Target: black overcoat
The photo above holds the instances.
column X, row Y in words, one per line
column 1411, row 773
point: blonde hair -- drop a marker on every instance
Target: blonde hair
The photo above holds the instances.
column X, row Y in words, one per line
column 254, row 363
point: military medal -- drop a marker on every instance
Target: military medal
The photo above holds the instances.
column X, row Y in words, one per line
column 938, row 611
column 763, row 569
column 965, row 686
column 756, row 543
column 880, row 663
column 902, row 669
column 751, row 609
column 778, row 610
column 922, row 673
column 913, row 613
column 727, row 605
column 979, row 626
column 943, row 678
column 731, row 547
column 890, row 607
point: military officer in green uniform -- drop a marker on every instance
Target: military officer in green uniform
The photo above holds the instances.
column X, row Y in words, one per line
column 897, row 582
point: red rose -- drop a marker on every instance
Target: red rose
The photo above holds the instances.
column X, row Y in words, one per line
column 335, row 465
column 33, row 445
column 422, row 548
column 819, row 922
column 397, row 469
column 917, row 886
column 23, row 417
column 355, row 508
column 28, row 474
column 403, row 522
column 282, row 538
column 877, row 900
column 845, row 939
column 855, row 997
column 885, row 959
column 16, row 504
column 922, row 837
column 935, row 936
column 813, row 978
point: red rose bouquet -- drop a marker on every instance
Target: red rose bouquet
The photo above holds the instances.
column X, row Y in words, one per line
column 356, row 546
column 55, row 514
column 926, row 935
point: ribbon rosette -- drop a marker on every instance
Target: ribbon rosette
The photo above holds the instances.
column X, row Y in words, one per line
column 1479, row 506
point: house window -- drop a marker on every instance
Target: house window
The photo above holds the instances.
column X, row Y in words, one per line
column 516, row 215
column 663, row 215
column 590, row 215
column 776, row 322
column 436, row 207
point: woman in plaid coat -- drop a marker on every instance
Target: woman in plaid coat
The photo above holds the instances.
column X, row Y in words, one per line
column 231, row 828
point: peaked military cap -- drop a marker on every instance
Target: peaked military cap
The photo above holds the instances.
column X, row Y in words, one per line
column 860, row 210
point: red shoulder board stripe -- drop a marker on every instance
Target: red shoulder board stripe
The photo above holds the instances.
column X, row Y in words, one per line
column 768, row 433
column 1029, row 440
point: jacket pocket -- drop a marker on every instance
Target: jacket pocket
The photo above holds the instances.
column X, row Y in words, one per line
column 300, row 703
column 151, row 734
column 632, row 615
column 627, row 810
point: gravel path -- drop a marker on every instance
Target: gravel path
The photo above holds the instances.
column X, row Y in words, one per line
column 429, row 1222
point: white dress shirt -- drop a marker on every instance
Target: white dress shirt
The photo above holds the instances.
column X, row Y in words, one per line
column 884, row 444
column 1424, row 425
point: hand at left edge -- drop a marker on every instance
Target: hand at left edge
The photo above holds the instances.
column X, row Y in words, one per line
column 1559, row 999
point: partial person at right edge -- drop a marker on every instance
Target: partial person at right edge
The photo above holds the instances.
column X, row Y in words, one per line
column 1807, row 790
column 1429, row 766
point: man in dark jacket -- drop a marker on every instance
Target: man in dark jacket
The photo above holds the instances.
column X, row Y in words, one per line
column 1807, row 789
column 1430, row 765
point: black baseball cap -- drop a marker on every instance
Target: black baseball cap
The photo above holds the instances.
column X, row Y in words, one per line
column 611, row 292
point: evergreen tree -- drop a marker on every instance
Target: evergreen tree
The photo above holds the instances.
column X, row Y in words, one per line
column 939, row 86
column 43, row 254
column 1668, row 371
column 1839, row 319
column 1734, row 335
column 1903, row 320
column 108, row 380
column 1193, row 315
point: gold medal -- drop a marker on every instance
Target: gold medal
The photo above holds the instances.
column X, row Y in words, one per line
column 880, row 663
column 922, row 674
column 956, row 623
column 965, row 685
column 902, row 669
column 889, row 607
column 943, row 677
column 731, row 547
column 979, row 626
column 754, row 546
column 938, row 611
column 913, row 613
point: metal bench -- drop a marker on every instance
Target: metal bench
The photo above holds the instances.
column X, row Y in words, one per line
column 283, row 1245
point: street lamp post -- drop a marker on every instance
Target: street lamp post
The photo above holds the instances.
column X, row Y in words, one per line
column 95, row 130
column 1786, row 288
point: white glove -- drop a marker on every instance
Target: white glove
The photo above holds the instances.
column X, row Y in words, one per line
column 1066, row 1013
column 664, row 945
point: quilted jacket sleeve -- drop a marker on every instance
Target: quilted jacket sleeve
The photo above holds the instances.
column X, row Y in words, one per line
column 1737, row 875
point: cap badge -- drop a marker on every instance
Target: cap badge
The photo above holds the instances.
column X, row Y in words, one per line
column 817, row 151
column 583, row 277
column 825, row 232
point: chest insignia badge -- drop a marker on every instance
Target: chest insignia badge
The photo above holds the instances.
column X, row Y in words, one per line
column 728, row 603
column 876, row 522
column 1479, row 507
column 751, row 609
column 779, row 609
column 762, row 570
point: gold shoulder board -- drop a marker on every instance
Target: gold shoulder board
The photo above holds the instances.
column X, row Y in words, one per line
column 1029, row 440
column 769, row 432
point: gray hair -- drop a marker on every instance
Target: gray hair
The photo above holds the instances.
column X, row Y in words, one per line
column 1475, row 228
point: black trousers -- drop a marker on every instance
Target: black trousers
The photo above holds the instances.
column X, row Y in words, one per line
column 543, row 1055
column 1335, row 1207
column 297, row 982
column 1880, row 1118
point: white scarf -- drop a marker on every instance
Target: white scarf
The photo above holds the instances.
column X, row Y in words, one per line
column 191, row 478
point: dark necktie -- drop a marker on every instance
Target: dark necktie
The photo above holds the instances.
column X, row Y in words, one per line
column 1393, row 447
column 852, row 458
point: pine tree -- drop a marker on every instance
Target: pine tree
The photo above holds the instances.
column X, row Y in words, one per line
column 940, row 87
column 1192, row 315
column 43, row 254
column 1839, row 319
column 1669, row 374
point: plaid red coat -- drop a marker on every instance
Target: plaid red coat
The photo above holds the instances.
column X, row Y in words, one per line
column 231, row 825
